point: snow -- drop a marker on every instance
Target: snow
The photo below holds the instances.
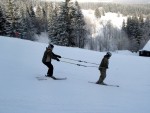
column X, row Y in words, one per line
column 114, row 18
column 147, row 46
column 21, row 92
column 43, row 37
column 98, row 23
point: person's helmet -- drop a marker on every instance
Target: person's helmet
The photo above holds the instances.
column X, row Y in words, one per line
column 50, row 46
column 108, row 54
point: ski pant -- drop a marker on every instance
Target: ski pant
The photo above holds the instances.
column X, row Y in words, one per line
column 102, row 75
column 50, row 68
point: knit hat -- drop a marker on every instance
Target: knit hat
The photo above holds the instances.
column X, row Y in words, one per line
column 108, row 54
column 50, row 46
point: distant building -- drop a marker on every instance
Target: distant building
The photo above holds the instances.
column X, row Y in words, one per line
column 146, row 50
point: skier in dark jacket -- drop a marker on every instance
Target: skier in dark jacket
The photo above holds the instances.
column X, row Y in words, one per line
column 47, row 57
column 103, row 67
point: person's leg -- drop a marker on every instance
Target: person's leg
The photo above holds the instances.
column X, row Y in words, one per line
column 102, row 76
column 99, row 78
column 47, row 64
column 50, row 70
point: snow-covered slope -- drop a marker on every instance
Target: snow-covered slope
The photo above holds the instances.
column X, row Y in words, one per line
column 21, row 92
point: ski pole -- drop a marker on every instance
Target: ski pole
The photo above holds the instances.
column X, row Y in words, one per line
column 71, row 59
column 74, row 63
column 78, row 64
column 80, row 61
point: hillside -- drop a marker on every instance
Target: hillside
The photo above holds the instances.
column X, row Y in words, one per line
column 21, row 92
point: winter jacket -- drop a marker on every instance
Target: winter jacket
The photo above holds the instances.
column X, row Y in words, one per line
column 48, row 55
column 104, row 63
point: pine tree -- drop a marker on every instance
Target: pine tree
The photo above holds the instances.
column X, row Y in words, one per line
column 146, row 31
column 51, row 16
column 77, row 26
column 44, row 20
column 129, row 27
column 97, row 13
column 2, row 22
column 58, row 31
column 39, row 19
column 52, row 23
column 67, row 27
column 124, row 26
column 23, row 28
column 12, row 19
column 30, row 17
column 135, row 31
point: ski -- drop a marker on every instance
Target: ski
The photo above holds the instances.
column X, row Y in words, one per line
column 55, row 78
column 41, row 78
column 111, row 85
column 105, row 84
column 46, row 78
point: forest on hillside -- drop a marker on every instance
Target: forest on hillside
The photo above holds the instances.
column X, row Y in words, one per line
column 125, row 9
column 66, row 25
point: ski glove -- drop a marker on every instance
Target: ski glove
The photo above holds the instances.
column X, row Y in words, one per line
column 59, row 56
column 57, row 59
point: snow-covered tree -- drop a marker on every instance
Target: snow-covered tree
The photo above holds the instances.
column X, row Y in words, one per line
column 51, row 18
column 146, row 32
column 135, row 31
column 97, row 13
column 2, row 22
column 58, row 31
column 77, row 25
column 30, row 17
column 23, row 28
column 12, row 19
column 40, row 20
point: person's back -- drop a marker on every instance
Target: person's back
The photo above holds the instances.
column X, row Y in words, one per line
column 104, row 62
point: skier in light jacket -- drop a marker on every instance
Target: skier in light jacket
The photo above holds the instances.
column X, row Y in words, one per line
column 103, row 67
column 47, row 57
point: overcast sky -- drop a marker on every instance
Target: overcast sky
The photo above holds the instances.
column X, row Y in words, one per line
column 133, row 1
column 122, row 1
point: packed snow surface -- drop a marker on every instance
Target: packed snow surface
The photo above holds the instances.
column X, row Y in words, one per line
column 21, row 92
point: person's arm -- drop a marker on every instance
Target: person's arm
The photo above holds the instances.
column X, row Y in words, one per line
column 54, row 56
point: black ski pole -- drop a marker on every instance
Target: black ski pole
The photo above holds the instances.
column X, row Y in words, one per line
column 77, row 64
column 80, row 61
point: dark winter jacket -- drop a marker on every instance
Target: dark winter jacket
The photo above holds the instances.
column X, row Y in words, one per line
column 104, row 63
column 48, row 55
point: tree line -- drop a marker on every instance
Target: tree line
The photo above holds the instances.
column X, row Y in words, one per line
column 63, row 21
column 66, row 25
column 134, row 33
column 125, row 9
column 138, row 31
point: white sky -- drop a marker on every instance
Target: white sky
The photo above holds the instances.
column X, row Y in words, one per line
column 122, row 1
column 85, row 0
column 94, row 0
